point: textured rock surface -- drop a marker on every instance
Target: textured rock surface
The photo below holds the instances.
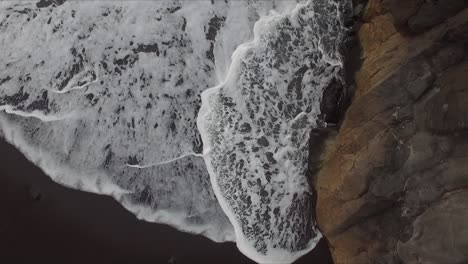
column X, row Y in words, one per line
column 393, row 187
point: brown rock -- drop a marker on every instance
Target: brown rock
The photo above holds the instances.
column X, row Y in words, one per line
column 400, row 155
column 373, row 8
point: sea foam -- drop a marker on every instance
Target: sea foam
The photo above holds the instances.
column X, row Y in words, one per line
column 104, row 97
column 255, row 128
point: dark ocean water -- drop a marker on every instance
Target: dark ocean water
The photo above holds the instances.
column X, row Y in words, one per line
column 44, row 222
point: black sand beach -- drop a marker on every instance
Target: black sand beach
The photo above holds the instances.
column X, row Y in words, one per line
column 43, row 222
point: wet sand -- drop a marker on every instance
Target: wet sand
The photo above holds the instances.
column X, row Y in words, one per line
column 44, row 222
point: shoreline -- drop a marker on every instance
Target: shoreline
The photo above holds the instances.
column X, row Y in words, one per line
column 45, row 221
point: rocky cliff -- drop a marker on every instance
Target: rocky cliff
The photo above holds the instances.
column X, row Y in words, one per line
column 393, row 182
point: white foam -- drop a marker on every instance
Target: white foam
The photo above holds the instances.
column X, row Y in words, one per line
column 99, row 107
column 36, row 114
column 98, row 181
column 104, row 96
column 255, row 128
column 139, row 166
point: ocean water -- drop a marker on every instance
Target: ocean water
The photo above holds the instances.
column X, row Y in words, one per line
column 195, row 114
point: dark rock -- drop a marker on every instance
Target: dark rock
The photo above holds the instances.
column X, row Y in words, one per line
column 419, row 79
column 332, row 101
column 431, row 13
column 449, row 55
column 440, row 234
column 403, row 10
column 447, row 111
column 421, row 15
column 391, row 184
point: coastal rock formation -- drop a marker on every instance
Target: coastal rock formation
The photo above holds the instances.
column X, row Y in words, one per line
column 393, row 183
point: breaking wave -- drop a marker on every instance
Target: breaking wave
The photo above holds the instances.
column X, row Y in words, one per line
column 255, row 128
column 106, row 97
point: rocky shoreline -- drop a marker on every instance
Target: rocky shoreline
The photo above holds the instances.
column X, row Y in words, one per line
column 392, row 181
